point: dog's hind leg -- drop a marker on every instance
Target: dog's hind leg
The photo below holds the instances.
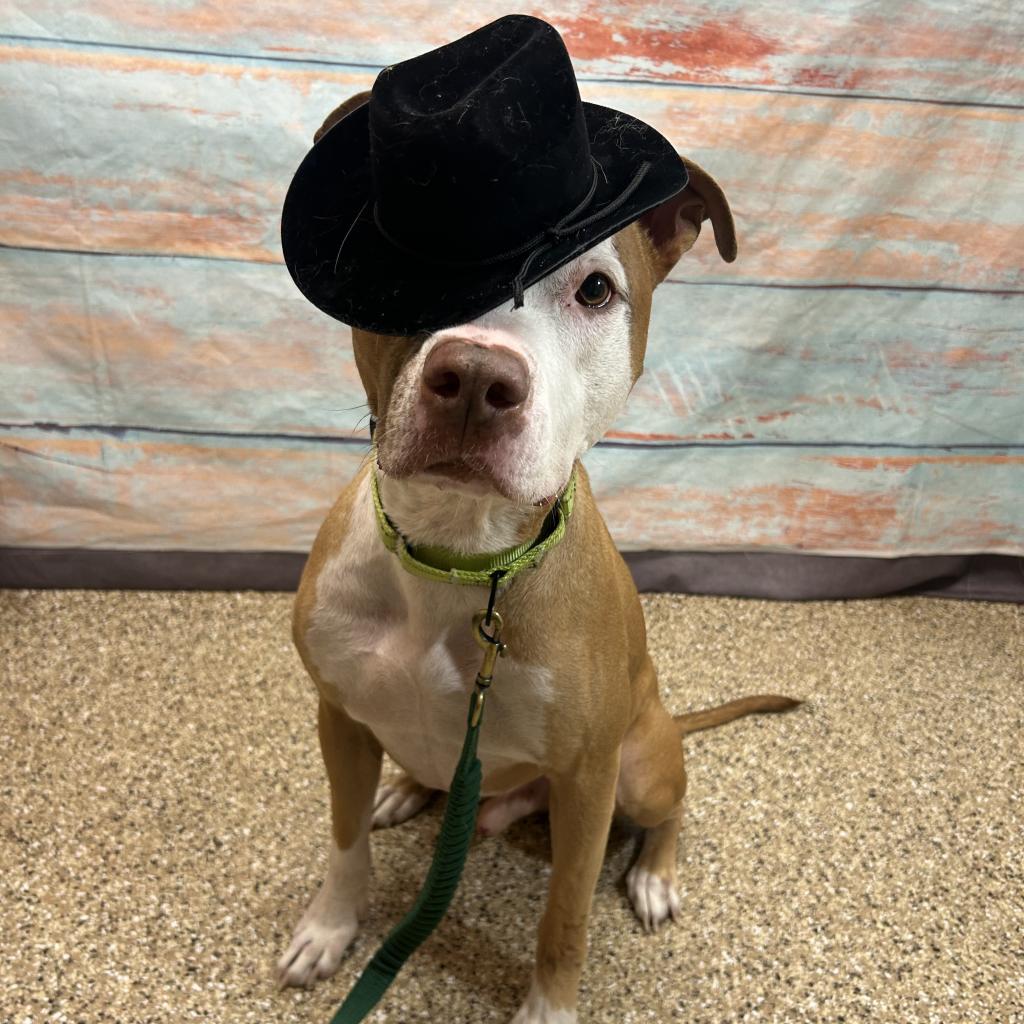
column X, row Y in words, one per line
column 652, row 880
column 652, row 783
column 498, row 812
column 399, row 799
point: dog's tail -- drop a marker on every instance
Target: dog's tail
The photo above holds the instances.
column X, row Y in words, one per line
column 694, row 721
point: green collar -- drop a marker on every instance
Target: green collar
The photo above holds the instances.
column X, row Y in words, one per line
column 437, row 563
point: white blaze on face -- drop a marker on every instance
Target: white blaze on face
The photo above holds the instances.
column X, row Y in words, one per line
column 579, row 365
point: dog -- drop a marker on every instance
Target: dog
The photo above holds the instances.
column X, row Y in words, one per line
column 478, row 429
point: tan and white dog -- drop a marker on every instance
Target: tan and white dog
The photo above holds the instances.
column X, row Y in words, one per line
column 479, row 427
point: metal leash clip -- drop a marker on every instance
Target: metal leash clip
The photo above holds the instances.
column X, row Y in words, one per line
column 492, row 646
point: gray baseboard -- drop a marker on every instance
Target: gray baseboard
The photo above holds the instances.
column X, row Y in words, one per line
column 780, row 576
column 798, row 577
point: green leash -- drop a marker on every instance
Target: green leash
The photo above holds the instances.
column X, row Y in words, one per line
column 452, row 842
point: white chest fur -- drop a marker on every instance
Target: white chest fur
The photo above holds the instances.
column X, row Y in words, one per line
column 398, row 654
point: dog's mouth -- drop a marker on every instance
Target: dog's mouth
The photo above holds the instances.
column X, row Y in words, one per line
column 478, row 480
column 466, row 475
column 472, row 470
column 456, row 469
column 470, row 476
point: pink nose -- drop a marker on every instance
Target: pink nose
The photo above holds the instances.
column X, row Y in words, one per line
column 469, row 385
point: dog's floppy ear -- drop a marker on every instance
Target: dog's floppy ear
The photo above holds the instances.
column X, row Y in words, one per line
column 675, row 224
column 338, row 113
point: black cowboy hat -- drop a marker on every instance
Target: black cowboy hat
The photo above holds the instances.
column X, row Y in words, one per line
column 473, row 171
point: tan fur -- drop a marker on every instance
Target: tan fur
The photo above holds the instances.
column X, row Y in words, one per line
column 379, row 358
column 705, row 200
column 352, row 755
column 697, row 720
column 339, row 112
column 638, row 256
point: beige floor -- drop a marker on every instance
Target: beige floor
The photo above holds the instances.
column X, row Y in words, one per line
column 163, row 822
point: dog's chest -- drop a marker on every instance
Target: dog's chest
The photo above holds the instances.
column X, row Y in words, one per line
column 397, row 653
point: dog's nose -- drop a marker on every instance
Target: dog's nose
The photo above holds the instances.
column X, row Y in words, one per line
column 472, row 384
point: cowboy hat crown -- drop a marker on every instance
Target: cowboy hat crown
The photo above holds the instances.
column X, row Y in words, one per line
column 466, row 152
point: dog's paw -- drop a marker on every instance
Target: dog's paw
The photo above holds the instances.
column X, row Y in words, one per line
column 317, row 947
column 537, row 1010
column 654, row 897
column 398, row 800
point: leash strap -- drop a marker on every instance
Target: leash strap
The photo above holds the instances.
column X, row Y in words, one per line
column 452, row 846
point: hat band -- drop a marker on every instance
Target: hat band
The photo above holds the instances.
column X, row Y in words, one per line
column 540, row 243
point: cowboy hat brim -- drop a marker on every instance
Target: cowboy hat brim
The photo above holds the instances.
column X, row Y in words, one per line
column 343, row 264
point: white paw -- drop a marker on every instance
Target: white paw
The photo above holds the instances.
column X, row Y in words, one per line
column 537, row 1010
column 654, row 898
column 398, row 800
column 331, row 920
column 316, row 949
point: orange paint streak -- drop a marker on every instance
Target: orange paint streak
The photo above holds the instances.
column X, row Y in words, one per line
column 139, row 344
column 976, row 242
column 917, row 37
column 314, row 30
column 79, row 447
column 848, row 79
column 821, row 518
column 133, row 64
column 177, row 191
column 197, row 112
column 824, row 248
column 903, row 463
column 163, row 455
column 790, row 516
column 632, row 435
column 168, row 494
column 967, row 355
column 58, row 223
column 703, row 53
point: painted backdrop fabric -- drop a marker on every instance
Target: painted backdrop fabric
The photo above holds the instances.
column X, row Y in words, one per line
column 853, row 384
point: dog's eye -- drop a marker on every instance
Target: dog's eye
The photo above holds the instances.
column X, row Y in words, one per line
column 596, row 291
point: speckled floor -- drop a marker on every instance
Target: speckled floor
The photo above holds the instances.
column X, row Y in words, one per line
column 163, row 822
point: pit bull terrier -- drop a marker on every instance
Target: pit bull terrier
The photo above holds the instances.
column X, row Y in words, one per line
column 479, row 428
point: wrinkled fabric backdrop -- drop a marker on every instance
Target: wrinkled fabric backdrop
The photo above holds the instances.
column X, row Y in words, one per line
column 853, row 384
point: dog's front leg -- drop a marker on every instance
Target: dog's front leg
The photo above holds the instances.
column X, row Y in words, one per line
column 581, row 806
column 352, row 756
